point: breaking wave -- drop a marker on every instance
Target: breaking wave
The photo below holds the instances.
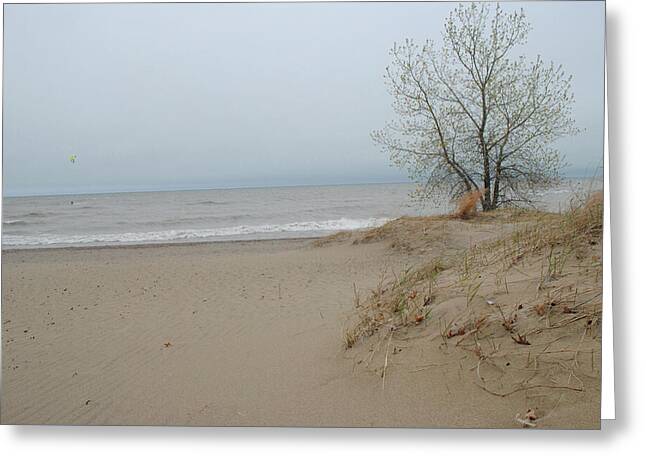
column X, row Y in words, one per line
column 246, row 231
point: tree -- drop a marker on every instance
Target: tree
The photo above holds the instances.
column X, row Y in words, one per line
column 471, row 115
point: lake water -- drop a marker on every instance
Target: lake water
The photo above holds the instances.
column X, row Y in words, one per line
column 220, row 214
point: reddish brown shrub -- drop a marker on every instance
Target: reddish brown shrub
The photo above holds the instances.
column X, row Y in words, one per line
column 468, row 204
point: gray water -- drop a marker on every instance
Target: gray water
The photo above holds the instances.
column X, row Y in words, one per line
column 220, row 214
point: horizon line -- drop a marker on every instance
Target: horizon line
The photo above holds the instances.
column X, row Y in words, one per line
column 205, row 188
column 225, row 188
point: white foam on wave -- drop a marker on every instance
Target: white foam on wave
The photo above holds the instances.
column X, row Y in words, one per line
column 197, row 234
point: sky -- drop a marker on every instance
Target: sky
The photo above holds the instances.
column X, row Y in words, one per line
column 181, row 96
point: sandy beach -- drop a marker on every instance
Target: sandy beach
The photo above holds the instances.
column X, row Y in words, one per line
column 252, row 334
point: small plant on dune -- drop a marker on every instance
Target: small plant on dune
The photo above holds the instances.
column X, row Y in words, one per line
column 555, row 263
column 404, row 301
column 472, row 291
column 468, row 204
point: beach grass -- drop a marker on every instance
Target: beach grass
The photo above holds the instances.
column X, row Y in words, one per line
column 533, row 292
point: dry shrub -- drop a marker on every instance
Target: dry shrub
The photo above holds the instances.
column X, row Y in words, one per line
column 468, row 203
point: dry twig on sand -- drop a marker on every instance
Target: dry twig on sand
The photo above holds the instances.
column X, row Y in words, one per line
column 529, row 387
column 383, row 374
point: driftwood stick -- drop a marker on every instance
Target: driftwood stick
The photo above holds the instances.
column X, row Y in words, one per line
column 529, row 387
column 383, row 374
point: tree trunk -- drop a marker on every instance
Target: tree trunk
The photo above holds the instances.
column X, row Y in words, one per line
column 486, row 204
column 496, row 185
column 486, row 180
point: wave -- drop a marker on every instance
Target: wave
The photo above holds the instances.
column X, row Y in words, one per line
column 194, row 235
column 28, row 215
column 14, row 222
column 38, row 214
column 199, row 219
column 209, row 203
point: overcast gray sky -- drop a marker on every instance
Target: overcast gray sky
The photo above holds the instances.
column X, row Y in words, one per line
column 170, row 96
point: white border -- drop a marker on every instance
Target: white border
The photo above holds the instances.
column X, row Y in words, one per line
column 619, row 445
column 607, row 330
column 607, row 355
